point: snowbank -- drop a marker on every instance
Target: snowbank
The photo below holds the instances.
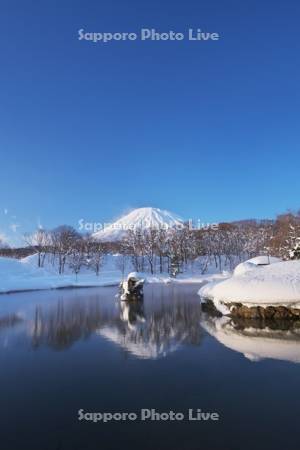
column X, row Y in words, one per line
column 271, row 285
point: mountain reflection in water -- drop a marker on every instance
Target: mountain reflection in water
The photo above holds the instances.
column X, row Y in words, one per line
column 146, row 329
column 170, row 317
column 64, row 350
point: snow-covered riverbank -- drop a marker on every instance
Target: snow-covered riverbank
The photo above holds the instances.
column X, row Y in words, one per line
column 24, row 275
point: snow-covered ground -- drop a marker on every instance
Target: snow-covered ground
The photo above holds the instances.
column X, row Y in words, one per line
column 252, row 282
column 23, row 275
column 257, row 285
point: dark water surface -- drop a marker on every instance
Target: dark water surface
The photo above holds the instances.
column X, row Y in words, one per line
column 62, row 351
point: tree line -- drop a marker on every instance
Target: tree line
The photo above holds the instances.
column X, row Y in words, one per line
column 167, row 251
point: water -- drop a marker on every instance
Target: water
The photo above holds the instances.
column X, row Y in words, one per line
column 62, row 351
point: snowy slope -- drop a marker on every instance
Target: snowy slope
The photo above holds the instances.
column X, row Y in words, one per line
column 141, row 218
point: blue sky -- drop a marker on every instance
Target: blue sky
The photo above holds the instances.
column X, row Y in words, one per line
column 208, row 130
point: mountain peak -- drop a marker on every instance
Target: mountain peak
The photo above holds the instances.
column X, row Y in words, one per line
column 140, row 218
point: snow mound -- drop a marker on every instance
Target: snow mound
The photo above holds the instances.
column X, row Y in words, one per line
column 244, row 267
column 264, row 260
column 139, row 219
column 258, row 261
column 275, row 284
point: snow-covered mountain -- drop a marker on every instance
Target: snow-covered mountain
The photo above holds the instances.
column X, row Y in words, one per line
column 140, row 218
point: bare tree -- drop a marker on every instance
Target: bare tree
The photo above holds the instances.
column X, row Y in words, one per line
column 64, row 238
column 95, row 255
column 41, row 241
column 77, row 257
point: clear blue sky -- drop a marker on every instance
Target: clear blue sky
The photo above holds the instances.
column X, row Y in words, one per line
column 207, row 130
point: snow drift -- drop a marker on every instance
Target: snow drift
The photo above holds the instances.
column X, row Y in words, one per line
column 253, row 263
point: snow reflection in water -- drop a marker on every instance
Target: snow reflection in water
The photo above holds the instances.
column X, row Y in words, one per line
column 256, row 341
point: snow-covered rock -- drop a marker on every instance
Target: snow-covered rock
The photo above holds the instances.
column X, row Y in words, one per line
column 271, row 285
column 132, row 287
column 141, row 218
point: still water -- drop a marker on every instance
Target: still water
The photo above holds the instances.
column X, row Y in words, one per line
column 62, row 351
